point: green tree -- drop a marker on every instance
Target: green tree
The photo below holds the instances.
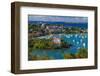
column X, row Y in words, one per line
column 82, row 53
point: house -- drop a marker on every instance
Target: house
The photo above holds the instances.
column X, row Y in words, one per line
column 54, row 28
column 56, row 41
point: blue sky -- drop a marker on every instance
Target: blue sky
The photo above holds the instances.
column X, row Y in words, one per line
column 73, row 19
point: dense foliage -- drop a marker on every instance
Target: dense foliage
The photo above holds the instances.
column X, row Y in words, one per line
column 46, row 44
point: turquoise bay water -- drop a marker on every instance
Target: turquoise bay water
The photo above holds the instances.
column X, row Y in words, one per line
column 77, row 40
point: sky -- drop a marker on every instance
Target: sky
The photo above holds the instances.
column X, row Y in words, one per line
column 73, row 19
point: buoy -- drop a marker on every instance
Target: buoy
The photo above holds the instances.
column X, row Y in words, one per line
column 82, row 37
column 80, row 40
column 83, row 44
column 73, row 40
column 77, row 42
column 76, row 35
